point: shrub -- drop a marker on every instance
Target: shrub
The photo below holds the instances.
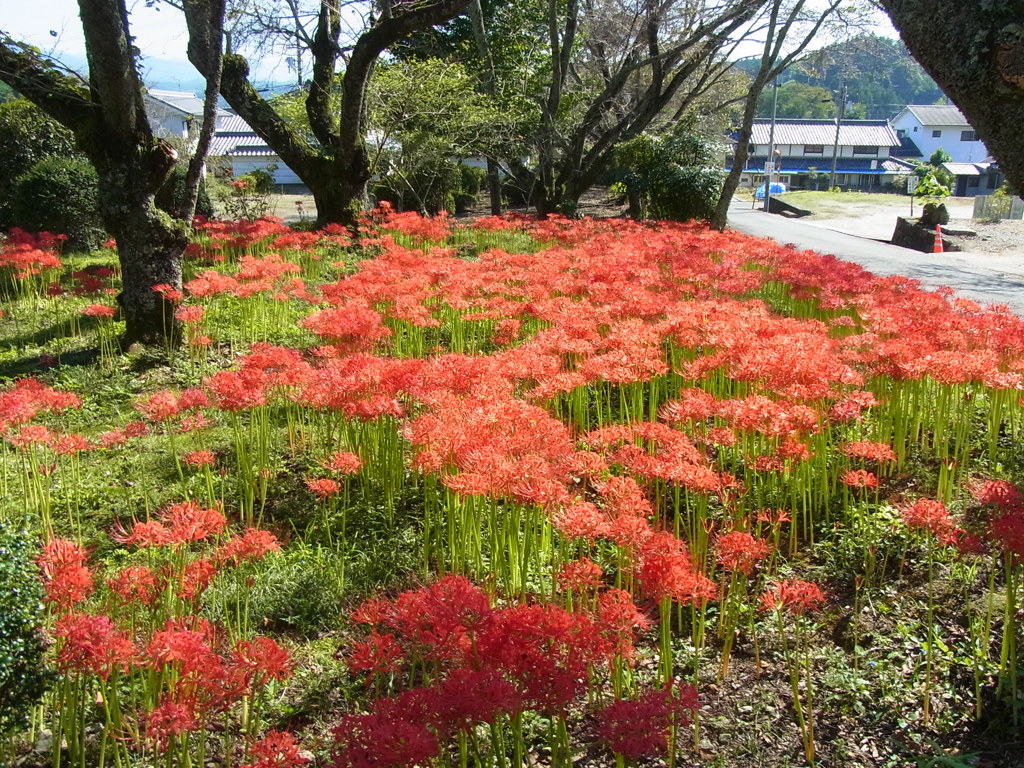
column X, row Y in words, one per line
column 23, row 679
column 669, row 177
column 60, row 195
column 172, row 194
column 27, row 136
column 430, row 188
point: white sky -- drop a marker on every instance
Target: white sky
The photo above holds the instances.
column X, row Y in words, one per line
column 54, row 27
column 158, row 31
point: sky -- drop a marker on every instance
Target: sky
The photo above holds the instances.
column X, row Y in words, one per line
column 53, row 26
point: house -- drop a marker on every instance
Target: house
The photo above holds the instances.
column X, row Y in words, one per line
column 939, row 126
column 805, row 150
column 175, row 114
column 180, row 114
column 241, row 151
column 970, row 179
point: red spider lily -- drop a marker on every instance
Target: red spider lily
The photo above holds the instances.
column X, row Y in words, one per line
column 92, row 645
column 323, row 487
column 739, row 551
column 469, row 697
column 67, row 579
column 189, row 315
column 70, row 445
column 352, row 328
column 254, row 544
column 136, row 429
column 865, row 449
column 160, row 406
column 859, row 478
column 169, row 293
column 179, row 524
column 665, row 570
column 31, row 434
column 1008, row 531
column 639, row 728
column 238, row 390
column 99, row 310
column 343, row 462
column 171, row 718
column 379, row 654
column 999, row 493
column 136, row 583
column 261, row 660
column 618, row 619
column 579, row 575
column 277, row 749
column 196, row 577
column 796, row 596
column 200, row 458
column 373, row 612
column 189, row 649
column 931, row 515
column 382, row 741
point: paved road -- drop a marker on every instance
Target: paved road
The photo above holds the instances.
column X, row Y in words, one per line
column 987, row 278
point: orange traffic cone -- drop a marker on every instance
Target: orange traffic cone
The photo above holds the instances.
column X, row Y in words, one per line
column 937, row 248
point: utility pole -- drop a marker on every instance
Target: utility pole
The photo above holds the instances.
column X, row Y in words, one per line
column 770, row 163
column 835, row 144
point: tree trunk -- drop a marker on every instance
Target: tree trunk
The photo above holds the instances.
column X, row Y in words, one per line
column 732, row 181
column 494, row 187
column 111, row 127
column 975, row 52
column 150, row 249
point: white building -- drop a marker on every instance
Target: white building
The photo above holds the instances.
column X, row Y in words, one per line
column 805, row 150
column 241, row 150
column 934, row 127
column 180, row 114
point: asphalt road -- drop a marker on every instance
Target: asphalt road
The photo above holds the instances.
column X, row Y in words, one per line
column 984, row 277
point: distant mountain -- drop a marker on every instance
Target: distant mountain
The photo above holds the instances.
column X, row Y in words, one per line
column 880, row 75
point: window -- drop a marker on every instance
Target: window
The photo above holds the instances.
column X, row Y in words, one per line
column 936, row 134
column 973, row 181
column 814, row 149
column 915, row 129
column 968, row 136
column 900, row 133
column 865, row 150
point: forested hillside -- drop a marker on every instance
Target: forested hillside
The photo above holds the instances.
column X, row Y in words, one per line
column 880, row 75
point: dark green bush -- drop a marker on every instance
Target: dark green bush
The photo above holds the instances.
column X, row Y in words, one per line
column 674, row 177
column 23, row 678
column 430, row 188
column 27, row 136
column 172, row 193
column 60, row 195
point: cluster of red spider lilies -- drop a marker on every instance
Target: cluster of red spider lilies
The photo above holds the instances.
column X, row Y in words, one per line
column 624, row 438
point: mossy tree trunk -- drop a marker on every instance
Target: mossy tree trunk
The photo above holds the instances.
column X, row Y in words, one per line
column 110, row 125
column 975, row 52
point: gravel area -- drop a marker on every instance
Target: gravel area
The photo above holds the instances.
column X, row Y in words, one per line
column 1006, row 236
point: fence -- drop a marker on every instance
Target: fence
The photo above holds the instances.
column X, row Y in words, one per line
column 991, row 207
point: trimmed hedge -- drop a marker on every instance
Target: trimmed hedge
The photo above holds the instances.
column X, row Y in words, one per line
column 23, row 678
column 61, row 195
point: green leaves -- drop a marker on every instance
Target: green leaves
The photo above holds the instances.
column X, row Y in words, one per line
column 23, row 679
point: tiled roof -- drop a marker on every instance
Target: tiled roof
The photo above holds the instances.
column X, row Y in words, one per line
column 938, row 114
column 851, row 133
column 963, row 169
column 183, row 101
column 232, row 123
